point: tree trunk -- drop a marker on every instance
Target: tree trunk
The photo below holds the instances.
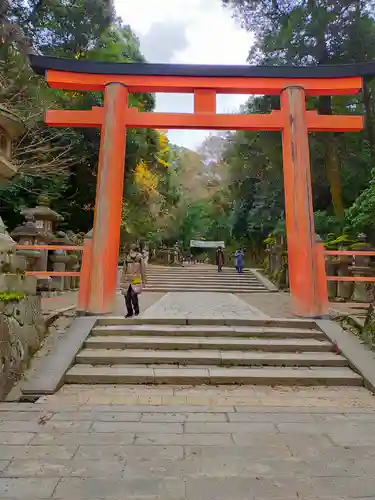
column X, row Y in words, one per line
column 369, row 115
column 332, row 164
column 332, row 161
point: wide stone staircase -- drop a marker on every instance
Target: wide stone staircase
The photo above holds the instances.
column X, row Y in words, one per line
column 215, row 351
column 200, row 277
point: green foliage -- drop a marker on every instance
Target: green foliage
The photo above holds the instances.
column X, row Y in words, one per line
column 11, row 296
column 194, row 223
column 361, row 245
column 341, row 242
column 298, row 32
column 63, row 164
column 232, row 188
column 62, row 27
column 361, row 215
column 270, row 240
column 326, row 224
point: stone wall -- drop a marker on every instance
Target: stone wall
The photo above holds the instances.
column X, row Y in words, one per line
column 22, row 327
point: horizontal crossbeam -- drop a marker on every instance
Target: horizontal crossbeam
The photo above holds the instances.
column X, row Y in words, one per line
column 363, row 279
column 188, row 84
column 52, row 273
column 271, row 122
column 50, row 247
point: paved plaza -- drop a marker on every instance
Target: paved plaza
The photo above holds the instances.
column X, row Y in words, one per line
column 143, row 443
column 275, row 305
column 201, row 305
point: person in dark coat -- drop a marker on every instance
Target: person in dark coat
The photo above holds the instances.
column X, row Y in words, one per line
column 133, row 278
column 239, row 259
column 219, row 259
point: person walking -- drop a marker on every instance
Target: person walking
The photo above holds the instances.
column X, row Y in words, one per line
column 239, row 258
column 133, row 278
column 219, row 259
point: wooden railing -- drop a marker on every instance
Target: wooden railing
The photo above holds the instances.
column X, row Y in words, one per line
column 364, row 253
column 51, row 247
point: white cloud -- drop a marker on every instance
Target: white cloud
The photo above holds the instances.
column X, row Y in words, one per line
column 161, row 42
column 192, row 32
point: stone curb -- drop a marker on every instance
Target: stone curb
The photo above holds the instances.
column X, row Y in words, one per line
column 350, row 318
column 361, row 360
column 56, row 314
column 50, row 375
column 265, row 281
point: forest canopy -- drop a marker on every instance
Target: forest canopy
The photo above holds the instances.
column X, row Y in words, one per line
column 231, row 188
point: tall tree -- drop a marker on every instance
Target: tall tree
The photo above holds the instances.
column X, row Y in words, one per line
column 313, row 32
column 63, row 162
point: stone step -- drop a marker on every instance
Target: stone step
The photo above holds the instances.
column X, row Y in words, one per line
column 193, row 321
column 195, row 269
column 209, row 331
column 120, row 374
column 203, row 285
column 220, row 343
column 202, row 276
column 171, row 288
column 186, row 274
column 207, row 357
column 206, row 267
column 213, row 274
column 201, row 279
column 206, row 288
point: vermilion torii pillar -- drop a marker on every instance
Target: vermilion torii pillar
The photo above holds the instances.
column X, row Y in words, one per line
column 109, row 191
column 205, row 82
column 298, row 203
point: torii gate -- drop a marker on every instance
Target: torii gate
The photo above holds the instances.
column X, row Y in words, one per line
column 293, row 84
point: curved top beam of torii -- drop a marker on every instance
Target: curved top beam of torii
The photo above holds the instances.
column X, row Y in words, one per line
column 76, row 74
column 41, row 64
column 205, row 82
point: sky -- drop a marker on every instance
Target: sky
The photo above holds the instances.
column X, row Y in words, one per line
column 191, row 32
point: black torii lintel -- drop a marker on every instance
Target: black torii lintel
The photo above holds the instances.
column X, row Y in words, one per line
column 40, row 64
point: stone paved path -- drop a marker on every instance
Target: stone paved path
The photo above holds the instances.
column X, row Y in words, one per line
column 275, row 305
column 69, row 299
column 278, row 305
column 139, row 443
column 202, row 305
column 190, row 443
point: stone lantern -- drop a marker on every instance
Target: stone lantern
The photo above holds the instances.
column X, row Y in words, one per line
column 6, row 242
column 342, row 267
column 362, row 245
column 45, row 221
column 176, row 256
column 60, row 260
column 29, row 234
column 11, row 127
column 361, row 268
column 276, row 252
column 74, row 263
column 6, row 245
column 45, row 218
